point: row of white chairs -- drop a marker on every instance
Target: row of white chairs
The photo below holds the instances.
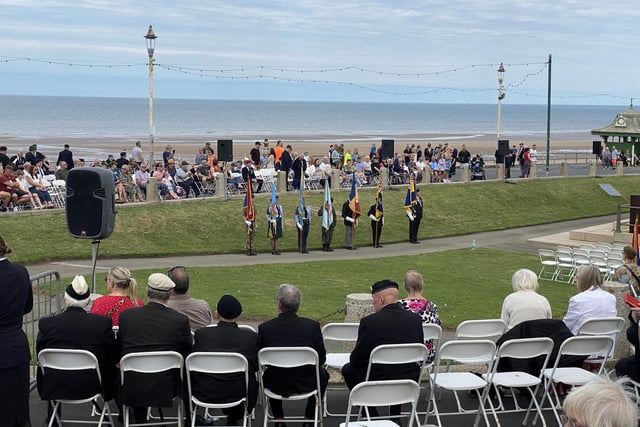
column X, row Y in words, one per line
column 561, row 265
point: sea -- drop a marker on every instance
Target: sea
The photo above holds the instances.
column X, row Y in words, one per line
column 35, row 117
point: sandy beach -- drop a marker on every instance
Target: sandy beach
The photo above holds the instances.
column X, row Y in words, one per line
column 91, row 148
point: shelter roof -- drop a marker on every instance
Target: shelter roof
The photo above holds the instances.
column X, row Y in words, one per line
column 626, row 123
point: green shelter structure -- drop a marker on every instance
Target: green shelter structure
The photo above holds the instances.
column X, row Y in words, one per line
column 624, row 131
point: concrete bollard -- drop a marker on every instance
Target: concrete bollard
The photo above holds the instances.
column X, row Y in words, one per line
column 384, row 176
column 564, row 169
column 358, row 306
column 335, row 179
column 533, row 170
column 619, row 168
column 592, row 170
column 464, row 172
column 281, row 184
column 619, row 290
column 500, row 172
column 221, row 185
column 152, row 190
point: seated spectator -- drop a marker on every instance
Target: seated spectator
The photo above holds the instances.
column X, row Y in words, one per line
column 122, row 289
column 184, row 178
column 74, row 328
column 290, row 330
column 200, row 157
column 524, row 303
column 36, row 184
column 629, row 366
column 228, row 337
column 629, row 272
column 24, row 186
column 234, row 175
column 417, row 304
column 197, row 310
column 10, row 190
column 600, row 403
column 62, row 172
column 142, row 178
column 591, row 301
column 126, row 187
column 205, row 174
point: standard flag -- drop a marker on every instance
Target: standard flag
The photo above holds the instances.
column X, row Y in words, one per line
column 411, row 199
column 379, row 211
column 327, row 218
column 354, row 202
column 247, row 205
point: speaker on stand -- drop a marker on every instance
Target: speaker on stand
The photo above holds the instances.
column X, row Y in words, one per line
column 90, row 207
column 387, row 151
column 225, row 150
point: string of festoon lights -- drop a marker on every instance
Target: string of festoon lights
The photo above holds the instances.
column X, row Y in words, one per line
column 310, row 75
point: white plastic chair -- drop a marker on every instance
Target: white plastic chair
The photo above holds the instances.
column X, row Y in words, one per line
column 489, row 329
column 582, row 345
column 382, row 393
column 433, row 333
column 398, row 354
column 74, row 360
column 217, row 363
column 525, row 348
column 566, row 264
column 338, row 333
column 610, row 326
column 597, row 259
column 290, row 357
column 464, row 352
column 549, row 264
column 151, row 362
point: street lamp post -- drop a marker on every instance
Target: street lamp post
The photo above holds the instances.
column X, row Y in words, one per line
column 501, row 95
column 151, row 45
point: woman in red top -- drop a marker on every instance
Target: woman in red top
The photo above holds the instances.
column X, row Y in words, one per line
column 122, row 295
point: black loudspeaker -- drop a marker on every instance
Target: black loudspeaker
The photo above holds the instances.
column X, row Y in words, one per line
column 503, row 147
column 225, row 150
column 387, row 149
column 91, row 208
column 596, row 147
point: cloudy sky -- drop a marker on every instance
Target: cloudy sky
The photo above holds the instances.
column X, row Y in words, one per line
column 347, row 50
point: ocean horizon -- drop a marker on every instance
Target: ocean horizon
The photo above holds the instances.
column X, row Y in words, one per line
column 41, row 117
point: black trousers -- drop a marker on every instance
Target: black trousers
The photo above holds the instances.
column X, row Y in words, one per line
column 413, row 229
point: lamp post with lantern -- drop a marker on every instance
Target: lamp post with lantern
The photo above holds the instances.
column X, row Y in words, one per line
column 151, row 45
column 501, row 95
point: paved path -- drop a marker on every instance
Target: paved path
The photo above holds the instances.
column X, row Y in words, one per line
column 514, row 239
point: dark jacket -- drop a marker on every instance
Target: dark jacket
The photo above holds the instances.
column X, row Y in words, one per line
column 76, row 329
column 227, row 337
column 290, row 330
column 16, row 301
column 153, row 327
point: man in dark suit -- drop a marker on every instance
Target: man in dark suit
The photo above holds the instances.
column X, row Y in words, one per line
column 227, row 337
column 65, row 156
column 290, row 330
column 390, row 324
column 415, row 218
column 286, row 162
column 153, row 327
column 76, row 329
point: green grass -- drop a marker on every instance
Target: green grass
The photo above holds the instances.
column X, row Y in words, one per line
column 211, row 226
column 465, row 284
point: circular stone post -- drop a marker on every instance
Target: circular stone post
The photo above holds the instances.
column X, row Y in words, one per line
column 152, row 190
column 619, row 290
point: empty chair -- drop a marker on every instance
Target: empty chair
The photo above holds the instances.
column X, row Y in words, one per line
column 581, row 257
column 549, row 264
column 583, row 345
column 382, row 393
column 490, row 329
column 232, row 370
column 464, row 352
column 81, row 362
column 338, row 334
column 290, row 357
column 597, row 259
column 167, row 367
column 566, row 265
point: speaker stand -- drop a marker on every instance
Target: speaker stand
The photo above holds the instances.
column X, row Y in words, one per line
column 95, row 244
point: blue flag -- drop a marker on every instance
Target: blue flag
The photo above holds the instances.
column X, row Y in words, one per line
column 327, row 218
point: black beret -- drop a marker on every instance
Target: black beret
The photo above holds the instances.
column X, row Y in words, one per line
column 229, row 307
column 383, row 284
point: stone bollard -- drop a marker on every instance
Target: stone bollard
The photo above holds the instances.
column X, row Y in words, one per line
column 593, row 169
column 619, row 168
column 619, row 290
column 564, row 169
column 384, row 176
column 500, row 172
column 464, row 175
column 533, row 170
column 221, row 185
column 335, row 179
column 358, row 306
column 281, row 184
column 152, row 190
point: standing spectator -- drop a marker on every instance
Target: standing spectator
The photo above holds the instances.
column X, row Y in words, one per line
column 16, row 301
column 123, row 160
column 255, row 154
column 138, row 157
column 277, row 151
column 464, row 155
column 519, row 155
column 286, row 162
column 299, row 166
column 526, row 162
column 415, row 218
column 65, row 156
column 524, row 303
column 303, row 219
column 533, row 153
column 168, row 154
column 290, row 330
column 4, row 159
column 197, row 310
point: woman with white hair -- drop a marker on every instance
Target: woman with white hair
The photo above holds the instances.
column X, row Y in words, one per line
column 600, row 403
column 591, row 301
column 524, row 303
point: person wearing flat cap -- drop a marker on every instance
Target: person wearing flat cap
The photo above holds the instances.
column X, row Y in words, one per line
column 389, row 324
column 228, row 337
column 77, row 329
column 153, row 327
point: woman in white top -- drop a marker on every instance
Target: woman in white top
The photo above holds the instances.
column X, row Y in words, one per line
column 524, row 303
column 591, row 302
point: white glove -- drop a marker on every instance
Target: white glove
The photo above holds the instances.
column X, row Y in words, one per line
column 247, row 222
column 356, row 222
column 411, row 218
column 273, row 221
column 382, row 220
column 373, row 217
column 299, row 226
column 351, row 220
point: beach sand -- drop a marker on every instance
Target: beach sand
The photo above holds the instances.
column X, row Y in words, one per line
column 186, row 147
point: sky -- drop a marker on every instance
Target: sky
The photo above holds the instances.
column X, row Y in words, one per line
column 324, row 50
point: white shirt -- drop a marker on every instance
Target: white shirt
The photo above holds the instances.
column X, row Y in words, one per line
column 137, row 154
column 587, row 305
